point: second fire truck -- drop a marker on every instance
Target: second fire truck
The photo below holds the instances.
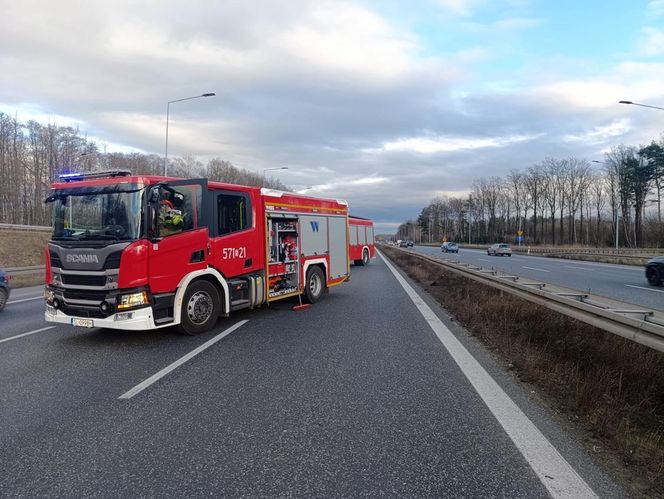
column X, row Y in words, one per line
column 146, row 252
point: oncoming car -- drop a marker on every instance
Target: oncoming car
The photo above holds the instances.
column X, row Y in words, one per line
column 449, row 247
column 499, row 249
column 655, row 271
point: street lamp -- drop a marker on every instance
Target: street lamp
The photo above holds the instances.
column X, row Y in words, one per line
column 642, row 105
column 168, row 109
column 270, row 169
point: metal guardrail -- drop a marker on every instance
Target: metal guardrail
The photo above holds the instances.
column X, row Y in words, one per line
column 37, row 228
column 24, row 270
column 635, row 323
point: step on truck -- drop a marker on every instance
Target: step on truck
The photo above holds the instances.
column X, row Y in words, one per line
column 362, row 248
column 139, row 252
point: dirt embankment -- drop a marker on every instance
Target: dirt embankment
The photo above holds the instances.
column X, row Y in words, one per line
column 609, row 389
column 22, row 248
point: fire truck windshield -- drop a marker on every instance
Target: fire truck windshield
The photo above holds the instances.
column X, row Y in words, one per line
column 97, row 213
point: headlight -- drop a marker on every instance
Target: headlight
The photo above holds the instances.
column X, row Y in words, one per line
column 133, row 300
column 49, row 295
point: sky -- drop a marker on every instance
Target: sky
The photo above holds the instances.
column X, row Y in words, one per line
column 387, row 104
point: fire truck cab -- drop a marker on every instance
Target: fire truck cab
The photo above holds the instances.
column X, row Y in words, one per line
column 362, row 248
column 145, row 252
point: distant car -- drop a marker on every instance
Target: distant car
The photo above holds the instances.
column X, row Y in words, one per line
column 655, row 271
column 499, row 249
column 409, row 244
column 449, row 247
column 406, row 244
column 5, row 289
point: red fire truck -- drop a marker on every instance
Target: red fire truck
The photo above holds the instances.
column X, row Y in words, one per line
column 362, row 248
column 145, row 252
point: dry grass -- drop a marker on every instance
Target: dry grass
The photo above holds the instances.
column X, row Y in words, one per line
column 21, row 248
column 609, row 387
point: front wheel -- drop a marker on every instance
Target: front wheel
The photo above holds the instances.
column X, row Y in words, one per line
column 314, row 285
column 652, row 274
column 200, row 308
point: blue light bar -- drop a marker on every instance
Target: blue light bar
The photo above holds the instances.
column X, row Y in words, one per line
column 68, row 177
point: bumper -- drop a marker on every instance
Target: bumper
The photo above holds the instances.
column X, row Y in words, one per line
column 141, row 319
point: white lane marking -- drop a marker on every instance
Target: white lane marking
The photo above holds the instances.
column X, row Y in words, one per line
column 155, row 377
column 535, row 268
column 555, row 473
column 643, row 287
column 25, row 299
column 578, row 268
column 484, row 260
column 26, row 334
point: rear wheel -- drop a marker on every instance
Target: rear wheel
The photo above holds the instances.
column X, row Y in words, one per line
column 3, row 298
column 200, row 308
column 653, row 276
column 365, row 257
column 314, row 284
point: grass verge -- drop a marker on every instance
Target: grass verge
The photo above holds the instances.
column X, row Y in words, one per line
column 608, row 387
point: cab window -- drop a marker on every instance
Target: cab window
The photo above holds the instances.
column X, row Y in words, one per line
column 179, row 208
column 234, row 213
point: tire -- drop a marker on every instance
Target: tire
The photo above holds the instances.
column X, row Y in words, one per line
column 357, row 263
column 509, row 254
column 653, row 276
column 314, row 284
column 3, row 299
column 365, row 258
column 200, row 308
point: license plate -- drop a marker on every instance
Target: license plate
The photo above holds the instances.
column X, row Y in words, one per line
column 82, row 322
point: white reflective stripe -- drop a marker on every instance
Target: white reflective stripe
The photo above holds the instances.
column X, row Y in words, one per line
column 555, row 473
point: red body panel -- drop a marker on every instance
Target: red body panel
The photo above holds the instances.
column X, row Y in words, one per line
column 361, row 237
column 170, row 259
column 134, row 265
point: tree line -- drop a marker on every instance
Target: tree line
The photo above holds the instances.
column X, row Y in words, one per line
column 33, row 155
column 558, row 201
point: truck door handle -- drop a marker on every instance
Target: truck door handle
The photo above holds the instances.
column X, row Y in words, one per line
column 197, row 256
column 248, row 262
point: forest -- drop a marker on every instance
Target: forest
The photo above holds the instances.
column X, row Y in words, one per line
column 615, row 201
column 33, row 155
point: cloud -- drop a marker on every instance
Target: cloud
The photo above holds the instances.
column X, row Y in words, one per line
column 651, row 43
column 656, row 7
column 600, row 134
column 359, row 103
column 428, row 145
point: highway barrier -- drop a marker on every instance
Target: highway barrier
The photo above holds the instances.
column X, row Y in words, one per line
column 635, row 323
column 34, row 228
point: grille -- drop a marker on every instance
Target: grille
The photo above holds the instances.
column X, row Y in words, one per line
column 84, row 280
column 85, row 295
column 55, row 259
column 113, row 260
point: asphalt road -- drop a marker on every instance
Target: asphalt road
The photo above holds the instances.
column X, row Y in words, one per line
column 356, row 396
column 625, row 283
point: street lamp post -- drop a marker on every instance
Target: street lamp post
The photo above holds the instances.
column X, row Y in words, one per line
column 270, row 169
column 642, row 105
column 617, row 229
column 168, row 110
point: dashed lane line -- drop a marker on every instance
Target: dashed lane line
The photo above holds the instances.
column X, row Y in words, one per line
column 26, row 334
column 535, row 268
column 555, row 473
column 157, row 376
column 643, row 287
column 25, row 299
